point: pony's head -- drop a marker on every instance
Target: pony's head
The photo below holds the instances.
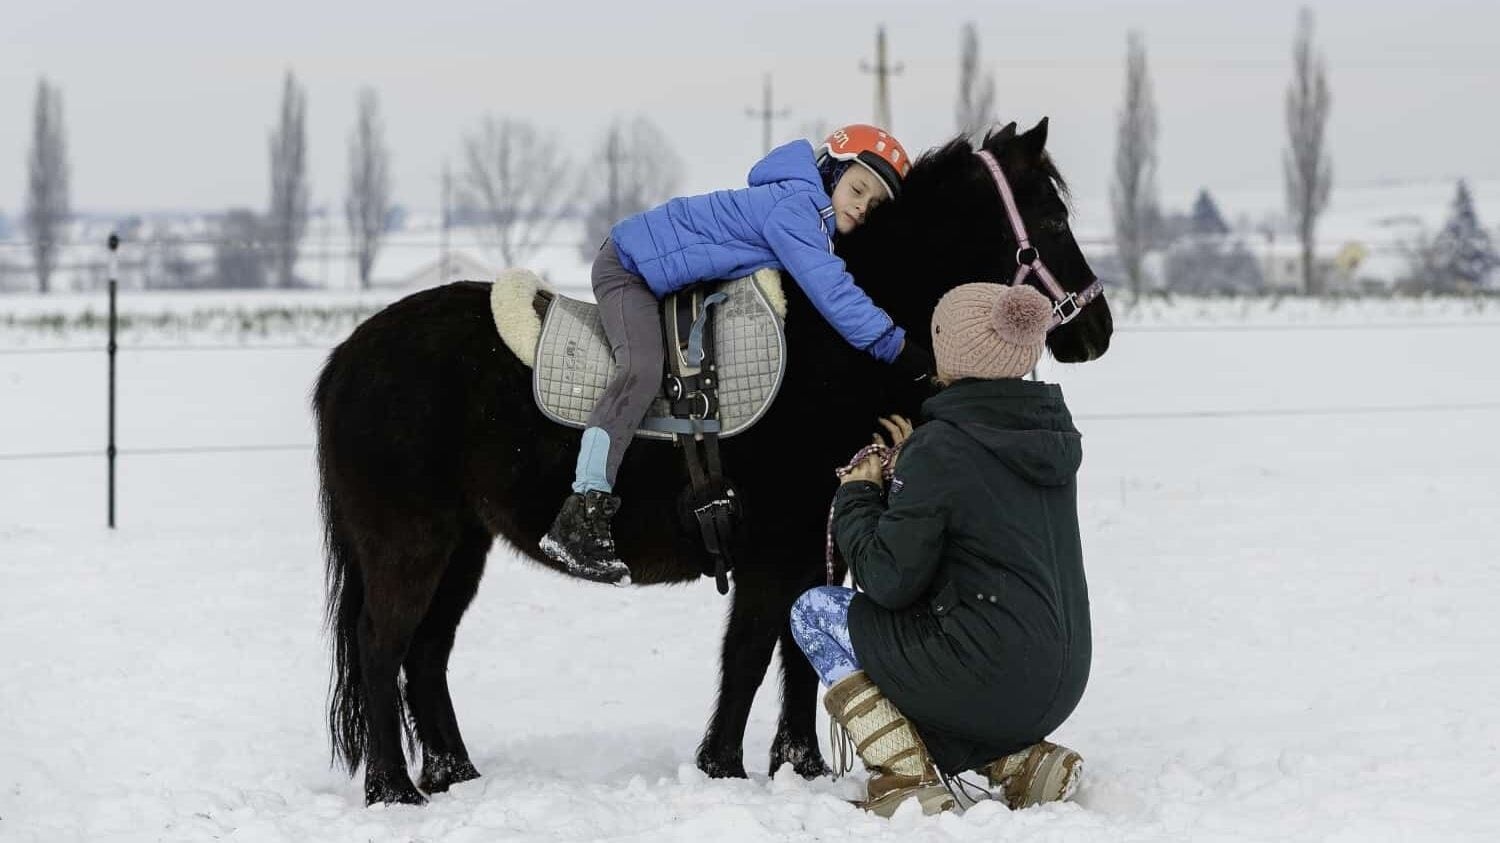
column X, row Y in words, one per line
column 950, row 227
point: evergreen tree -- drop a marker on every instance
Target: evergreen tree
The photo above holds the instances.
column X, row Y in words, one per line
column 1206, row 218
column 1463, row 253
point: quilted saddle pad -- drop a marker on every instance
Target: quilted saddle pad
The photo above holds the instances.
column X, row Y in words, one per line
column 574, row 363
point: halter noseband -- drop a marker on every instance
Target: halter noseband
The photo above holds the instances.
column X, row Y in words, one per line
column 1065, row 305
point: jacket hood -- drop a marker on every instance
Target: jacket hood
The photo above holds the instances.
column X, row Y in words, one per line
column 792, row 161
column 1025, row 424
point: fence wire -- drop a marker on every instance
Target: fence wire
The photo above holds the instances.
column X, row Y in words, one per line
column 1165, row 415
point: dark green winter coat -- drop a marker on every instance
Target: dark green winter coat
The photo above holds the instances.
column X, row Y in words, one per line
column 974, row 614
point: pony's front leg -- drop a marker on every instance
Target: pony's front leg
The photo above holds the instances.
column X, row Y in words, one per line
column 757, row 616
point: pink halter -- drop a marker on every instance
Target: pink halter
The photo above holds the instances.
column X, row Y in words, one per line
column 1065, row 305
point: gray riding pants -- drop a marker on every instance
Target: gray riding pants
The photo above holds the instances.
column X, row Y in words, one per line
column 632, row 321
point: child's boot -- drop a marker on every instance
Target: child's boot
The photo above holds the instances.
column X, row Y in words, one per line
column 580, row 539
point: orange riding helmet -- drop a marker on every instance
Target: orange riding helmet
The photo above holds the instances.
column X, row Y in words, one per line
column 874, row 149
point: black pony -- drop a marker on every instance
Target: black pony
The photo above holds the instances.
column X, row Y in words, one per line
column 430, row 446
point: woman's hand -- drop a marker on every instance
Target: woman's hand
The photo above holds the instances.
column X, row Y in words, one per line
column 899, row 429
column 868, row 470
column 871, row 468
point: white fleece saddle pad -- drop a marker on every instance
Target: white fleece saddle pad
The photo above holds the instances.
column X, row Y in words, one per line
column 574, row 363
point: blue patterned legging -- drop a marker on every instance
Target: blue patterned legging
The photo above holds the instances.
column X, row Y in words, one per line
column 820, row 624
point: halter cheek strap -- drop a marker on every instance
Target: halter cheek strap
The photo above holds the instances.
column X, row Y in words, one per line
column 1065, row 305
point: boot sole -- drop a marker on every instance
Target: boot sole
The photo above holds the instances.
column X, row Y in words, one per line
column 934, row 799
column 1056, row 778
column 559, row 554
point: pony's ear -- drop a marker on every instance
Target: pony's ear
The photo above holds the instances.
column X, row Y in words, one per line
column 1034, row 141
column 1000, row 136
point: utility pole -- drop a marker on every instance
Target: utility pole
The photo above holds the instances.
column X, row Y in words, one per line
column 882, row 70
column 766, row 114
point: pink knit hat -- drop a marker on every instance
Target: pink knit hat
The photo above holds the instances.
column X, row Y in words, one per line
column 989, row 331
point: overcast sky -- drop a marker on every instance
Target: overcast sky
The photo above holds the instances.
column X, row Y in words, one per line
column 168, row 102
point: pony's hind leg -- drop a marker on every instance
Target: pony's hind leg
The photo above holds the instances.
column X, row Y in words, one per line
column 445, row 760
column 399, row 587
column 796, row 740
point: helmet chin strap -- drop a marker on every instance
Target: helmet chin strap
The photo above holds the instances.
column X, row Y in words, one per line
column 1065, row 305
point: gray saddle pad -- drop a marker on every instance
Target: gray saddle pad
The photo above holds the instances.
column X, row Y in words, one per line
column 574, row 363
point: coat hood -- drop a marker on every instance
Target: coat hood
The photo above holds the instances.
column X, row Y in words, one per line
column 792, row 161
column 1025, row 424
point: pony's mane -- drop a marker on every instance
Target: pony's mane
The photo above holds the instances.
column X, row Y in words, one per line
column 998, row 140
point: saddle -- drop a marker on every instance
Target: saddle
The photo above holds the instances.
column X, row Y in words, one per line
column 730, row 325
column 725, row 359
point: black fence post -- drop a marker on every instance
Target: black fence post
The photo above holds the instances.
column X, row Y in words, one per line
column 114, row 246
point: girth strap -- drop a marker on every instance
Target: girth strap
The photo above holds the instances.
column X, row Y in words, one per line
column 692, row 393
column 695, row 350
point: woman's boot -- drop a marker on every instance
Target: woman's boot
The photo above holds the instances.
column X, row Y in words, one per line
column 900, row 769
column 1042, row 772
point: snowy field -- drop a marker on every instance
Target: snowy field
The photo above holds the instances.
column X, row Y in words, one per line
column 1290, row 537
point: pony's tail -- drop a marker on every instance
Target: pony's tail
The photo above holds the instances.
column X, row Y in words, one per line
column 346, row 599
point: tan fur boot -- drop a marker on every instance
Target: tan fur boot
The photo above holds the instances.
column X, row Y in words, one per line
column 900, row 769
column 1042, row 772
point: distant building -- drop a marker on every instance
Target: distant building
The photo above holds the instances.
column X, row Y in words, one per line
column 461, row 266
column 1338, row 264
column 1213, row 264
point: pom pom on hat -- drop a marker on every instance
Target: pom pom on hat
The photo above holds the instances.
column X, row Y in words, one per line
column 989, row 331
column 1021, row 315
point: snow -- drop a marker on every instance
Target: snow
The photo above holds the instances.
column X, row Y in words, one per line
column 1292, row 615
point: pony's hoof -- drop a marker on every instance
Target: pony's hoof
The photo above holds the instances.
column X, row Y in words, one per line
column 722, row 768
column 803, row 755
column 391, row 789
column 443, row 771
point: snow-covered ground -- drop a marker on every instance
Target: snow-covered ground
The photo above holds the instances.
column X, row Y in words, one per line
column 1292, row 578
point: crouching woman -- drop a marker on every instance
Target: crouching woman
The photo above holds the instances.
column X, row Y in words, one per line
column 968, row 642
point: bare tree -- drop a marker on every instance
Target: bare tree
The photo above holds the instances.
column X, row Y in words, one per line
column 286, row 221
column 1132, row 195
column 640, row 170
column 47, row 183
column 518, row 180
column 976, row 93
column 368, row 205
column 1422, row 271
column 1309, row 170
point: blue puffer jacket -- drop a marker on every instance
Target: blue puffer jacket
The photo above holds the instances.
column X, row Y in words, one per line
column 782, row 220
